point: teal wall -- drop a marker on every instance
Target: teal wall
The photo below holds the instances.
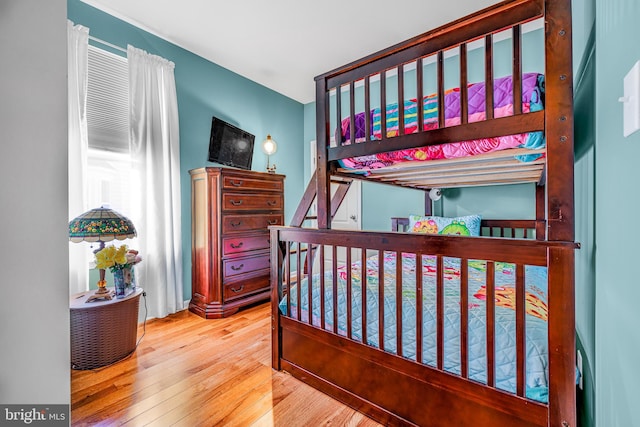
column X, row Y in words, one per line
column 380, row 202
column 617, row 201
column 583, row 21
column 584, row 172
column 205, row 89
column 503, row 202
column 585, row 234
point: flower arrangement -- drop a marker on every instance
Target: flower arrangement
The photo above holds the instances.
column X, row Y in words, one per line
column 116, row 258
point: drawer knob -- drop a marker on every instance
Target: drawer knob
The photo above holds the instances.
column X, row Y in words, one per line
column 237, row 267
column 236, row 290
column 236, row 224
column 234, row 246
column 235, row 202
column 271, row 202
column 236, row 183
column 272, row 221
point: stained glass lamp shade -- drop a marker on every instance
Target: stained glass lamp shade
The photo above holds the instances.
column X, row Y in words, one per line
column 101, row 225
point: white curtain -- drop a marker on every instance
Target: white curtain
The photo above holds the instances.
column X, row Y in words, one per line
column 155, row 150
column 77, row 57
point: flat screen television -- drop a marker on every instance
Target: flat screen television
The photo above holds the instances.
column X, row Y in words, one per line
column 229, row 145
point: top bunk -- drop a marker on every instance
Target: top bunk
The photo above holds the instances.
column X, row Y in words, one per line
column 449, row 117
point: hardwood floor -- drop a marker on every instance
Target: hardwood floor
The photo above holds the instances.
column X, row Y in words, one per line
column 188, row 371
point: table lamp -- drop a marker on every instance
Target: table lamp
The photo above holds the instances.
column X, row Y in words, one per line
column 269, row 147
column 101, row 225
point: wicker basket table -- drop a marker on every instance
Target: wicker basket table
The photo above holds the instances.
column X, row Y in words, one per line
column 102, row 332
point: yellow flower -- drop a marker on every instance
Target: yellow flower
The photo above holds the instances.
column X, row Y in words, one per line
column 110, row 257
column 103, row 261
column 120, row 256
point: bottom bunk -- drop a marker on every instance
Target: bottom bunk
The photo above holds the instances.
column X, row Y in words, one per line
column 428, row 330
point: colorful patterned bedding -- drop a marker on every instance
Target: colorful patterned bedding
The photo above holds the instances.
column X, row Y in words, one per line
column 532, row 100
column 505, row 344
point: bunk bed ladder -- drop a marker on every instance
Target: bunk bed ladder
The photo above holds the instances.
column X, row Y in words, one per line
column 302, row 213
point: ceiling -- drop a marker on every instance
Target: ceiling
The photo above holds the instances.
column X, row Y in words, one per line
column 284, row 44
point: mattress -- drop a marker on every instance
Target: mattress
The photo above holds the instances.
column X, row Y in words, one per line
column 505, row 335
column 532, row 100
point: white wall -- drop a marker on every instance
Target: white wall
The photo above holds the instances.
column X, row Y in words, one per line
column 34, row 291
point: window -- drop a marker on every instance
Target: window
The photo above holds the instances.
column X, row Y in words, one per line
column 107, row 101
column 109, row 165
column 109, row 162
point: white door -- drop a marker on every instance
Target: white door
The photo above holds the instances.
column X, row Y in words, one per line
column 348, row 216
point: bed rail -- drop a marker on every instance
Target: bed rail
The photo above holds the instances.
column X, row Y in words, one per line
column 292, row 333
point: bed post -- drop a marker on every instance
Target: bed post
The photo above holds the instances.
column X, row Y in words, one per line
column 562, row 385
column 276, row 294
column 323, row 189
column 428, row 204
column 559, row 120
column 560, row 211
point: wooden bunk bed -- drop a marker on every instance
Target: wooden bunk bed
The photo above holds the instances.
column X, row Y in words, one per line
column 376, row 333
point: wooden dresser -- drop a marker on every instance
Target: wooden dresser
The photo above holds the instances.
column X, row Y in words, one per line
column 230, row 212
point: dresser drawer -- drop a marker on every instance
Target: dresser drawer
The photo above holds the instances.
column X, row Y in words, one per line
column 246, row 286
column 240, row 244
column 243, row 183
column 235, row 266
column 233, row 223
column 252, row 202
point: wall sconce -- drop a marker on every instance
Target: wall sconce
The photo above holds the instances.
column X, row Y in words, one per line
column 435, row 194
column 269, row 147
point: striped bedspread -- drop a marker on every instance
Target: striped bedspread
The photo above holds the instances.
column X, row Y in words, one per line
column 532, row 100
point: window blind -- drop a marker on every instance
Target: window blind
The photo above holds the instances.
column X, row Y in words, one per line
column 107, row 101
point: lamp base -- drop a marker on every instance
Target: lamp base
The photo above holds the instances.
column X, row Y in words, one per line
column 101, row 293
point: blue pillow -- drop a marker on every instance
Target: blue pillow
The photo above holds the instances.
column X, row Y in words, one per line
column 463, row 225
